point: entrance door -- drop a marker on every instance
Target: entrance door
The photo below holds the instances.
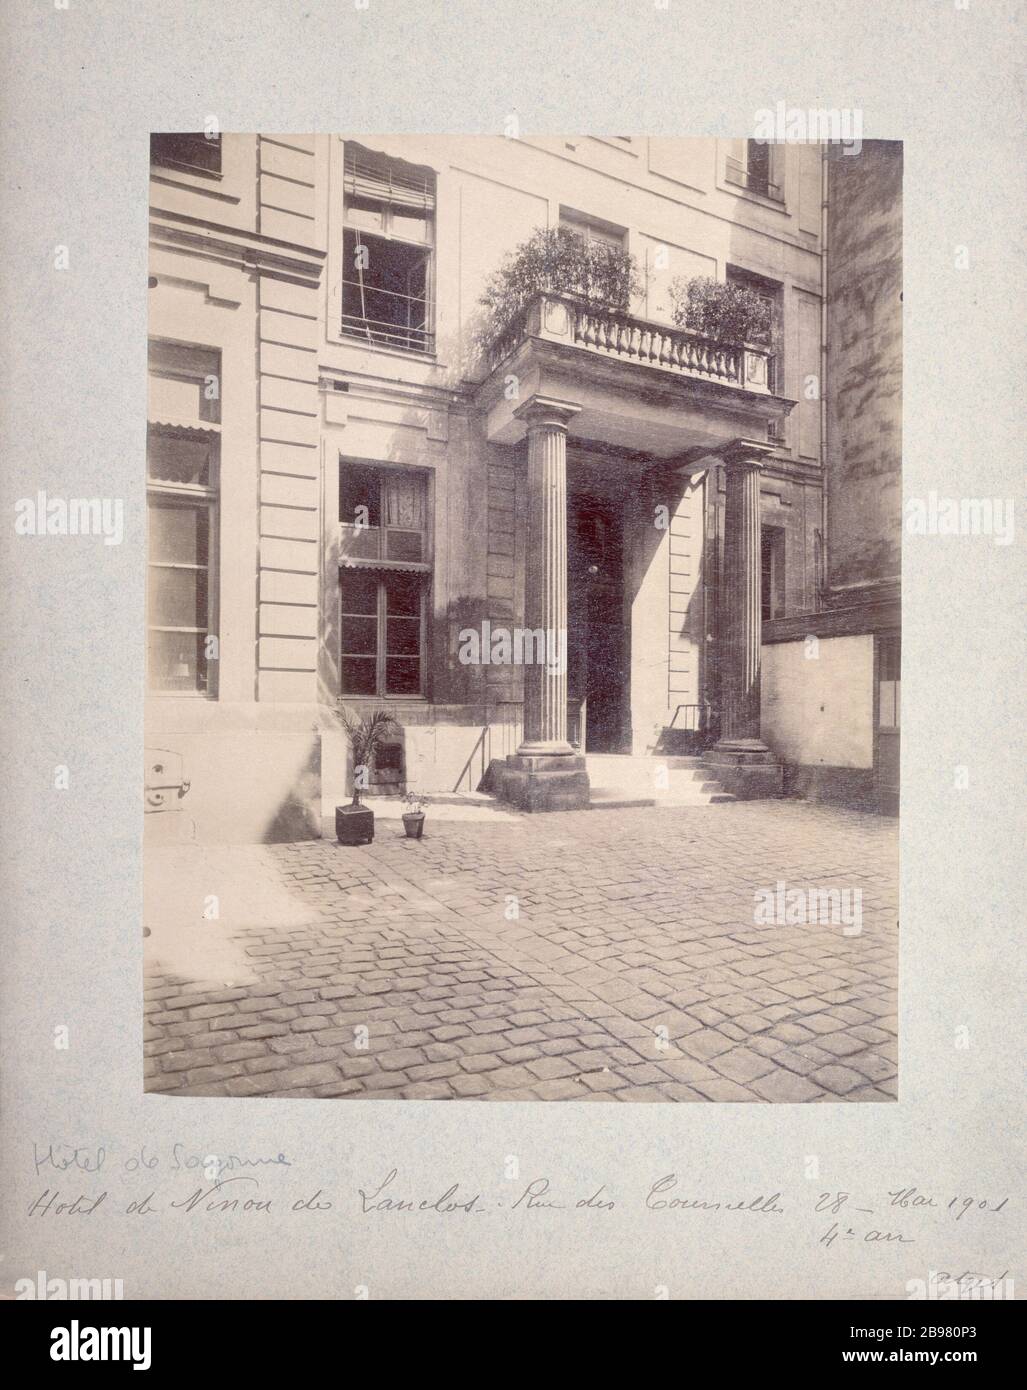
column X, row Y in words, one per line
column 596, row 645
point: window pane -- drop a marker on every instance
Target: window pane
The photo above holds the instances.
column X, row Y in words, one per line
column 361, row 542
column 175, row 460
column 402, row 675
column 403, row 637
column 366, row 214
column 177, row 661
column 403, row 595
column 179, row 534
column 359, row 592
column 178, row 598
column 411, row 225
column 360, row 636
column 358, row 675
column 185, row 383
column 404, row 545
column 359, row 487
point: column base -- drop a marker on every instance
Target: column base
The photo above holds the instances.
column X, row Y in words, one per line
column 543, row 782
column 746, row 768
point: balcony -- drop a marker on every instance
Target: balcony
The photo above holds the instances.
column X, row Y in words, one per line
column 641, row 385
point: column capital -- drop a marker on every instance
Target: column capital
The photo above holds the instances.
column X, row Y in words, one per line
column 546, row 412
column 745, row 453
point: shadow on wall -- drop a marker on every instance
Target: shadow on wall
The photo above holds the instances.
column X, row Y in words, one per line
column 299, row 815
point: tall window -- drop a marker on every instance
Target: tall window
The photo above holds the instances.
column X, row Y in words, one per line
column 383, row 580
column 195, row 152
column 772, row 557
column 591, row 229
column 756, row 170
column 388, row 250
column 772, row 292
column 183, row 461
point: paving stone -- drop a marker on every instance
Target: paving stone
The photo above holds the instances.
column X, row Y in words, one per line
column 724, row 1090
column 742, row 1065
column 838, row 1079
column 622, row 948
column 785, row 1087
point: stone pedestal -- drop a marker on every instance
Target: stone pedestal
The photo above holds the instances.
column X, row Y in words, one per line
column 545, row 774
column 743, row 762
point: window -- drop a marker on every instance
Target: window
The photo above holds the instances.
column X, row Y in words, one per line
column 755, row 172
column 183, row 462
column 196, row 152
column 383, row 580
column 772, row 292
column 592, row 229
column 889, row 681
column 388, row 241
column 772, row 557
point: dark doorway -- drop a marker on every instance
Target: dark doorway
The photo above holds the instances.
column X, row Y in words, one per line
column 596, row 640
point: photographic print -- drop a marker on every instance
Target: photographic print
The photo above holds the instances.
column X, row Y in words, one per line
column 523, row 618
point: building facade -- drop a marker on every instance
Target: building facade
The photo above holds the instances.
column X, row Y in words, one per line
column 344, row 484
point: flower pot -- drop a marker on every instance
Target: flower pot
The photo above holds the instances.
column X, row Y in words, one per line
column 354, row 824
column 413, row 824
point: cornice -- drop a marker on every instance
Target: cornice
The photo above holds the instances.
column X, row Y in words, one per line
column 248, row 249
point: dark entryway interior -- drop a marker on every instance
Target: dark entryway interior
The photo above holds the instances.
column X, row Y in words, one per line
column 596, row 639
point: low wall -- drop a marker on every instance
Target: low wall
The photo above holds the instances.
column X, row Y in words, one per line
column 817, row 700
column 253, row 773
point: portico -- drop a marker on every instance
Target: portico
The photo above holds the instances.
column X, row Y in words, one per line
column 687, row 414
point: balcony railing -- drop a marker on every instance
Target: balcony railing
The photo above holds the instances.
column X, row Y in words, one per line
column 561, row 319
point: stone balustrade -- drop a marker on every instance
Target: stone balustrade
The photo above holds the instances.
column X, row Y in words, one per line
column 560, row 318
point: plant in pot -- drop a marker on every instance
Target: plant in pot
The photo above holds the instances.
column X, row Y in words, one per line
column 553, row 260
column 413, row 816
column 354, row 824
column 729, row 314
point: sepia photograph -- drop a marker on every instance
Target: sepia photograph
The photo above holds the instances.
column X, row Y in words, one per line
column 523, row 616
column 501, row 610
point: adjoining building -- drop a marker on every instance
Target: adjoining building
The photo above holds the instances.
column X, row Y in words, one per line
column 353, row 494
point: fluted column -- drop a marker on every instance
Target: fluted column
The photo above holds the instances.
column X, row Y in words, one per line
column 545, row 582
column 545, row 774
column 741, row 601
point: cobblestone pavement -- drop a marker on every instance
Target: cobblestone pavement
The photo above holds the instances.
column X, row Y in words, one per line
column 605, row 955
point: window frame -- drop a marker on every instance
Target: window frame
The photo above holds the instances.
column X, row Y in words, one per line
column 382, row 567
column 371, row 331
column 201, row 499
column 170, row 359
column 736, row 174
column 162, row 161
column 583, row 225
column 773, row 566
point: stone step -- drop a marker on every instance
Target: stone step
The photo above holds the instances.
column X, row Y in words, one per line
column 619, row 780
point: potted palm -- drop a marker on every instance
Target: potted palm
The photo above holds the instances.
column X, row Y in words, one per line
column 413, row 816
column 354, row 824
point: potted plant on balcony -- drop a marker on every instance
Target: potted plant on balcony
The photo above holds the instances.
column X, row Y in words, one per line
column 554, row 260
column 727, row 313
column 413, row 816
column 354, row 824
